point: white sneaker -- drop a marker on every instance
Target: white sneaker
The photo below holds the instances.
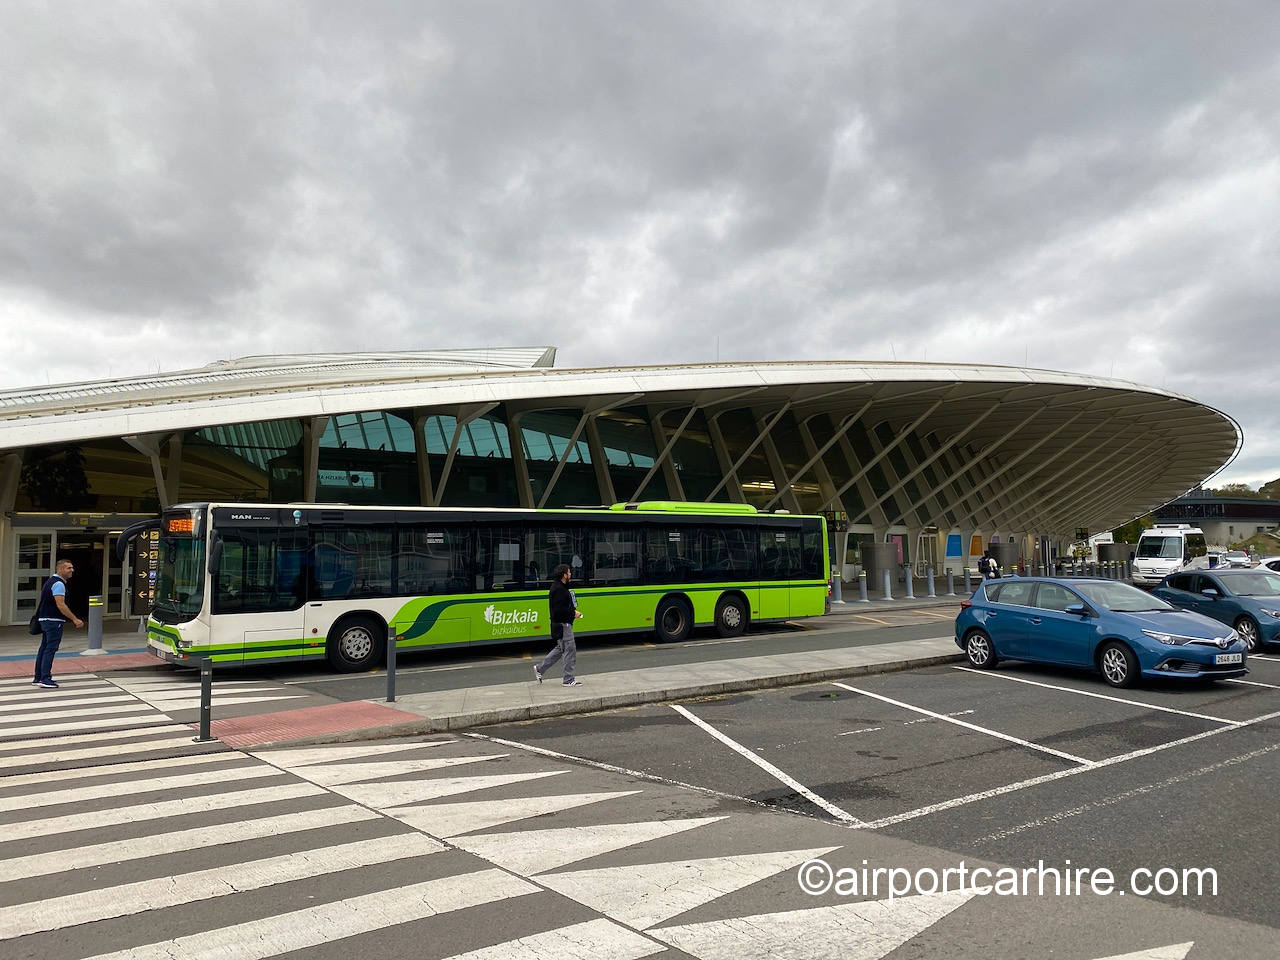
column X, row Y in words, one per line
column 572, row 683
column 537, row 673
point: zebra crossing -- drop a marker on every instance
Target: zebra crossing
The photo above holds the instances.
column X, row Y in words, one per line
column 83, row 703
column 441, row 848
column 180, row 693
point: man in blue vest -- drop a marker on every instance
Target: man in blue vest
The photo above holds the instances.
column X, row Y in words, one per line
column 53, row 613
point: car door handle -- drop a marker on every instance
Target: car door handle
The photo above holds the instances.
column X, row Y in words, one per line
column 1035, row 619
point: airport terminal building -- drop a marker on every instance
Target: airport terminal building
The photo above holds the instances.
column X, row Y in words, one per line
column 936, row 459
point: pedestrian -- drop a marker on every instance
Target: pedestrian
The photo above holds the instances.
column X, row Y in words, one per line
column 52, row 613
column 564, row 610
column 988, row 566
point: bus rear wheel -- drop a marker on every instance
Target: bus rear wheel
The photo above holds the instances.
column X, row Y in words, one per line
column 731, row 616
column 355, row 644
column 673, row 620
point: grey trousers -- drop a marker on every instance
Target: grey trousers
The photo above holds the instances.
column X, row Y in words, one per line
column 565, row 649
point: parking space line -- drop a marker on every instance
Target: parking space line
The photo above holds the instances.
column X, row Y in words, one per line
column 1059, row 775
column 970, row 726
column 1258, row 656
column 1097, row 696
column 1255, row 683
column 863, row 616
column 769, row 768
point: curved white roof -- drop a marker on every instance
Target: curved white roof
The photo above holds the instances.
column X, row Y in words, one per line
column 1138, row 446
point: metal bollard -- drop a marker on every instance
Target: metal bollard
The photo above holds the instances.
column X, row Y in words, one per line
column 95, row 629
column 837, row 596
column 928, row 575
column 1128, row 570
column 862, row 587
column 911, row 591
column 391, row 663
column 206, row 700
column 888, row 585
column 951, row 583
column 967, row 588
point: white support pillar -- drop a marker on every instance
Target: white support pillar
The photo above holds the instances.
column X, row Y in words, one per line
column 149, row 446
column 312, row 430
column 173, row 473
column 10, row 476
column 728, row 472
column 463, row 415
column 781, row 484
column 426, row 492
column 600, row 461
column 664, row 445
column 737, row 464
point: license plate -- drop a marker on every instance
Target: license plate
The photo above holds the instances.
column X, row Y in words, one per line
column 1222, row 658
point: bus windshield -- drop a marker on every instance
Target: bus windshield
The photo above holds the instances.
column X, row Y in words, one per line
column 1164, row 548
column 180, row 577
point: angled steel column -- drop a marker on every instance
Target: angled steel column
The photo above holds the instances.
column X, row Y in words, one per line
column 173, row 473
column 776, row 467
column 730, row 475
column 888, row 449
column 1088, row 496
column 733, row 470
column 816, row 453
column 564, row 457
column 860, row 479
column 600, row 461
column 10, row 477
column 826, row 486
column 463, row 415
column 663, row 461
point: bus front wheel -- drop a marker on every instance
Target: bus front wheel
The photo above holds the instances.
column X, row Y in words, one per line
column 355, row 644
column 673, row 620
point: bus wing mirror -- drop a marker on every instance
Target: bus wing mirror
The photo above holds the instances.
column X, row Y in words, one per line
column 215, row 555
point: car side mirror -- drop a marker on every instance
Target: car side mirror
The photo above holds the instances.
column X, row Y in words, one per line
column 1209, row 592
column 1079, row 609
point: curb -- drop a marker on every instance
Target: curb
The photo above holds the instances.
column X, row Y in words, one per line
column 462, row 721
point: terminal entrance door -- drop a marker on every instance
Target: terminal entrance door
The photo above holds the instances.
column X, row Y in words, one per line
column 34, row 564
column 87, row 553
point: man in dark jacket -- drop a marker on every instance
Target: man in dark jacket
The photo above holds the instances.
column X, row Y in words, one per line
column 563, row 612
column 53, row 614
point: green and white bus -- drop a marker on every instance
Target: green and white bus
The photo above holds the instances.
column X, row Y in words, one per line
column 246, row 584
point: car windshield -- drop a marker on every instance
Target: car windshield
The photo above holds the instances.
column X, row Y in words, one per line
column 1164, row 548
column 1121, row 598
column 1253, row 584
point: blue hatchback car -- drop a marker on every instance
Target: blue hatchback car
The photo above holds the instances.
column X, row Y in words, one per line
column 1248, row 600
column 1105, row 625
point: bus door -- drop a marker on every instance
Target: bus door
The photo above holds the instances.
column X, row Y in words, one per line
column 258, row 595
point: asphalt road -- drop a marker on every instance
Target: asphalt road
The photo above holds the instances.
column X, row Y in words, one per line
column 1084, row 777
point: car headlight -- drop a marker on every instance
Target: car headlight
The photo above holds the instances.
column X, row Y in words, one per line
column 1272, row 613
column 1168, row 638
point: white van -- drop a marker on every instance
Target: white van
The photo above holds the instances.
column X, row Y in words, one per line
column 1165, row 549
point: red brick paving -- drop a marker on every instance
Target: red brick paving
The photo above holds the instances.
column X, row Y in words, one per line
column 72, row 663
column 306, row 722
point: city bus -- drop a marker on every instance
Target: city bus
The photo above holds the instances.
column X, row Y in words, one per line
column 248, row 584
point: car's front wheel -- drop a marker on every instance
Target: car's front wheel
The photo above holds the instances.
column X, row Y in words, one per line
column 1118, row 665
column 979, row 651
column 1248, row 631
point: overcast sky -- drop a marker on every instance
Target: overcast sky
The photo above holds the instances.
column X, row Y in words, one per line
column 1084, row 186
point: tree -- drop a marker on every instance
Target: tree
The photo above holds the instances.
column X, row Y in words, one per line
column 1235, row 490
column 54, row 478
column 1129, row 532
column 1270, row 490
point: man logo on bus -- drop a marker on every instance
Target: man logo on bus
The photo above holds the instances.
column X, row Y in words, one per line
column 511, row 618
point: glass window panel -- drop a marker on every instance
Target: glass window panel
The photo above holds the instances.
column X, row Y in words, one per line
column 261, row 570
column 616, row 556
column 350, row 562
column 433, row 560
column 780, row 550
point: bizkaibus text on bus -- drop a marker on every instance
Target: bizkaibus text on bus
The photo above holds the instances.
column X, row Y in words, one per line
column 247, row 584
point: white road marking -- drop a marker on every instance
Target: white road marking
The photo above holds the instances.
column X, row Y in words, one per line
column 626, row 771
column 1255, row 683
column 1096, row 696
column 308, row 756
column 648, row 893
column 1059, row 775
column 850, row 733
column 537, row 851
column 866, row 930
column 56, row 913
column 115, row 769
column 1126, row 795
column 953, row 713
column 74, row 713
column 77, row 794
column 448, row 820
column 76, row 680
column 158, row 810
column 102, row 751
column 969, row 726
column 335, row 774
column 151, row 717
column 592, row 940
column 290, row 932
column 37, row 698
column 403, row 792
column 768, row 767
column 1258, row 656
column 158, row 844
column 1174, row 951
column 8, row 748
